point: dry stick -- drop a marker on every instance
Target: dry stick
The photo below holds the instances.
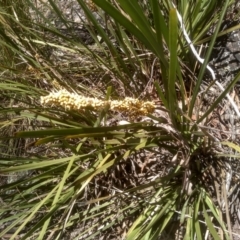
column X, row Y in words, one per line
column 151, row 77
column 201, row 60
column 227, row 210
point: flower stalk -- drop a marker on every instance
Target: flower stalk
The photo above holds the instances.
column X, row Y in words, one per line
column 73, row 101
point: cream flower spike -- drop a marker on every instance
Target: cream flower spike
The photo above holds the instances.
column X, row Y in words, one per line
column 72, row 101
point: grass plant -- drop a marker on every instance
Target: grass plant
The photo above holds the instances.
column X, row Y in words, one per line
column 108, row 140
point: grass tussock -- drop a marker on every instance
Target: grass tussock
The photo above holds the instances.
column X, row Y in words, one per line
column 110, row 127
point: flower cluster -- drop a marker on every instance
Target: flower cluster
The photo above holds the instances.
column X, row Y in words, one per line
column 72, row 101
column 132, row 106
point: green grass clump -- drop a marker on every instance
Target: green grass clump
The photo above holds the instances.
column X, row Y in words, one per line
column 132, row 159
